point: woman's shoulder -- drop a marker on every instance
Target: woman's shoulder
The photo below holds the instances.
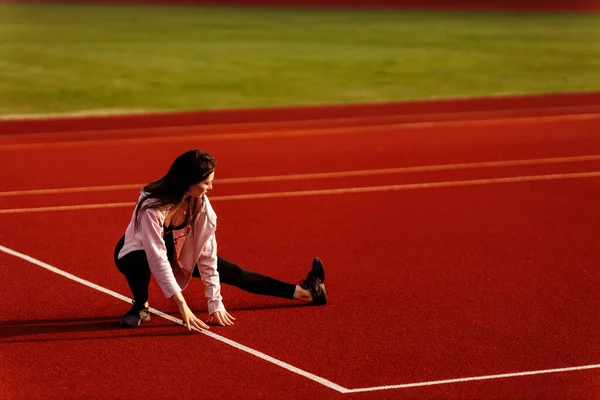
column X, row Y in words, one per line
column 151, row 205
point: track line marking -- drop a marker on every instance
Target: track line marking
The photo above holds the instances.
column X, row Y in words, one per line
column 210, row 334
column 135, row 112
column 94, row 112
column 83, row 189
column 280, row 363
column 322, row 192
column 383, row 127
column 323, row 175
column 474, row 378
column 69, row 208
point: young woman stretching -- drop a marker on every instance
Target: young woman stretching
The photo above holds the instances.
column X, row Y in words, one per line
column 171, row 235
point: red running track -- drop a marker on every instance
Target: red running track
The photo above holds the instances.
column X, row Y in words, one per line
column 438, row 274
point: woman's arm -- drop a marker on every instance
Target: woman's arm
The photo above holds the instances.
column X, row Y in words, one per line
column 151, row 225
column 207, row 266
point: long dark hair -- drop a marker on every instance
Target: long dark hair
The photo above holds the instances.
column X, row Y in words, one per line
column 190, row 168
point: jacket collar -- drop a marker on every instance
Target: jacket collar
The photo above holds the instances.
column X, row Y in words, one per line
column 211, row 216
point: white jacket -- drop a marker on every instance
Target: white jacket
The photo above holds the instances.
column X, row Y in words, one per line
column 199, row 246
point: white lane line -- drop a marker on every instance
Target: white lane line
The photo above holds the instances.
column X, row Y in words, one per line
column 378, row 128
column 324, row 175
column 210, row 334
column 474, row 378
column 68, row 208
column 82, row 189
column 322, row 192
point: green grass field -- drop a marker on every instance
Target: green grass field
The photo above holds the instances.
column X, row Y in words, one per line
column 67, row 58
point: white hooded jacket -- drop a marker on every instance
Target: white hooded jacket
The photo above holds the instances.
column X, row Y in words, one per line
column 194, row 244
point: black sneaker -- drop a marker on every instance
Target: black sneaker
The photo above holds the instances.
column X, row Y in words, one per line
column 135, row 316
column 315, row 283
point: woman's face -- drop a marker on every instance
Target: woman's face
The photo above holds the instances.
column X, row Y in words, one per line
column 200, row 189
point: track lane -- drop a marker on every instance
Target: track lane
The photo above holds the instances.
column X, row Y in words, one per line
column 236, row 191
column 92, row 133
column 367, row 149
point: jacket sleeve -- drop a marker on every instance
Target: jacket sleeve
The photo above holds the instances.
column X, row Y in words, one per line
column 207, row 266
column 156, row 252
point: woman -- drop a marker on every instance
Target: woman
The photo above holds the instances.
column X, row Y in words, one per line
column 171, row 235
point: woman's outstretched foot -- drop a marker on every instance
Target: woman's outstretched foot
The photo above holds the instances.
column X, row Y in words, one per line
column 315, row 283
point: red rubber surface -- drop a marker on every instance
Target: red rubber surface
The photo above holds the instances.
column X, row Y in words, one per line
column 424, row 285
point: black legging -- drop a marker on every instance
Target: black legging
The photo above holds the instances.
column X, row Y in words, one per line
column 134, row 266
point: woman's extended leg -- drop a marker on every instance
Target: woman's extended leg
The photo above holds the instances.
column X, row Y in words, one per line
column 232, row 274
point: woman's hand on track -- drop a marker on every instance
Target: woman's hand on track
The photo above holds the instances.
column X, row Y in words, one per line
column 222, row 318
column 189, row 319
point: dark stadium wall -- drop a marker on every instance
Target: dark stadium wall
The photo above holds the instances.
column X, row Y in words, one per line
column 491, row 5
